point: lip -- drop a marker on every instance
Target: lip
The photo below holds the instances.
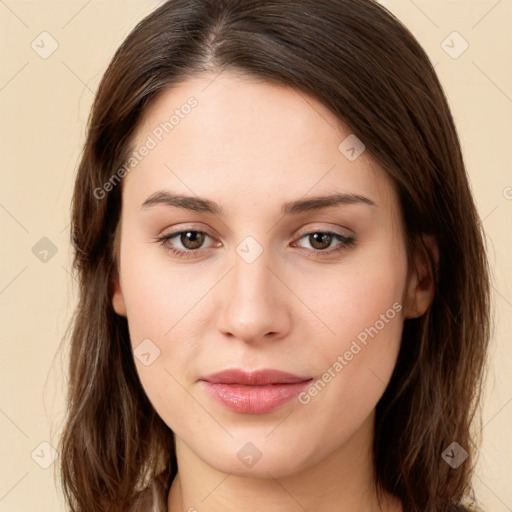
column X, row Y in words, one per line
column 256, row 392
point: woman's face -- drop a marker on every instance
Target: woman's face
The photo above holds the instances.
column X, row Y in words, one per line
column 265, row 279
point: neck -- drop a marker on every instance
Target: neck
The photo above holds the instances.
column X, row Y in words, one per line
column 343, row 481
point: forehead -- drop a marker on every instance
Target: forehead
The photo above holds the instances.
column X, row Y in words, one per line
column 226, row 136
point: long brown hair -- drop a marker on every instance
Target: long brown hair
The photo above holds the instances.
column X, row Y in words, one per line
column 368, row 69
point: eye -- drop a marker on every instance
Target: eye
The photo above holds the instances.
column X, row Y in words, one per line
column 321, row 241
column 191, row 240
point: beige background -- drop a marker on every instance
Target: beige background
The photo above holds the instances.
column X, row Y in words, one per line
column 44, row 106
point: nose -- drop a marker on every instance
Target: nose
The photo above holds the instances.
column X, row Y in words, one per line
column 255, row 304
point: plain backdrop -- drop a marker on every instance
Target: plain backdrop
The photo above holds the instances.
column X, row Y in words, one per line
column 53, row 56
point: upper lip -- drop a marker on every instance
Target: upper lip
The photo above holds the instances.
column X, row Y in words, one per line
column 254, row 378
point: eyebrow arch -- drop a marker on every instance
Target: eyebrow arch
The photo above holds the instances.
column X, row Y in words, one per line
column 199, row 204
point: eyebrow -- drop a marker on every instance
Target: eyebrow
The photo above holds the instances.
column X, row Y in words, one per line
column 200, row 204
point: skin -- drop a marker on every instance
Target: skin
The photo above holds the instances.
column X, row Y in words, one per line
column 251, row 146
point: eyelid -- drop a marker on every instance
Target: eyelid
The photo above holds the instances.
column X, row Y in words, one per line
column 169, row 232
column 323, row 229
column 300, row 233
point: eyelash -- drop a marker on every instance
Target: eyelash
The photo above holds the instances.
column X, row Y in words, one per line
column 346, row 242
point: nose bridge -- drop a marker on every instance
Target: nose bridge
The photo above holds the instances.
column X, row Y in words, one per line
column 252, row 305
column 251, row 278
column 251, row 275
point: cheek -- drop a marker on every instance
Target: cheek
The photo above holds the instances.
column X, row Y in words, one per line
column 166, row 317
column 352, row 296
column 157, row 297
column 356, row 355
column 160, row 309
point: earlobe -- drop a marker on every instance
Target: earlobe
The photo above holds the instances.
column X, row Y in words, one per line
column 422, row 282
column 117, row 297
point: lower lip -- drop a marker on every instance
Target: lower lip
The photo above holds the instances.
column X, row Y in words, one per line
column 254, row 399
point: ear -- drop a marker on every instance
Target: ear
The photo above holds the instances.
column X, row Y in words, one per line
column 421, row 284
column 117, row 296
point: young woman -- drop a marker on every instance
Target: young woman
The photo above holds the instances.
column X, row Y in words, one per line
column 284, row 293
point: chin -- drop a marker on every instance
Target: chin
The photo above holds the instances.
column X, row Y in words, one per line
column 255, row 457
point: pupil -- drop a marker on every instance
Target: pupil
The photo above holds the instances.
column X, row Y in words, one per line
column 192, row 239
column 317, row 236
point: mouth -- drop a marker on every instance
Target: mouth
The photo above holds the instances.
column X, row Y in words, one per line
column 257, row 392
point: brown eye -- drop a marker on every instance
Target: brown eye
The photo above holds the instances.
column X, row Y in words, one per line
column 192, row 239
column 320, row 240
column 187, row 243
column 326, row 243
